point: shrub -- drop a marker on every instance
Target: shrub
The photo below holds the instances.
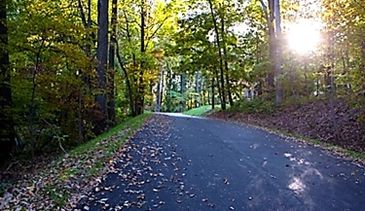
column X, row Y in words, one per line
column 254, row 106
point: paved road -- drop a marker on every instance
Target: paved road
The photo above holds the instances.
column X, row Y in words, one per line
column 182, row 163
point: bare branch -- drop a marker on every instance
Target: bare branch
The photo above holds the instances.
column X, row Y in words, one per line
column 155, row 32
column 82, row 13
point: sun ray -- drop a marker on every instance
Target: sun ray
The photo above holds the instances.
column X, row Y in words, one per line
column 304, row 36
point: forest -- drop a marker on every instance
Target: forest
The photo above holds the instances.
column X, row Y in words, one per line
column 79, row 77
column 72, row 69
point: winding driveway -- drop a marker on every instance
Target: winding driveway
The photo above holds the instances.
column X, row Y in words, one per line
column 177, row 162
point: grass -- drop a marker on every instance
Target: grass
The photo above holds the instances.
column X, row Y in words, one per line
column 131, row 123
column 87, row 161
column 201, row 111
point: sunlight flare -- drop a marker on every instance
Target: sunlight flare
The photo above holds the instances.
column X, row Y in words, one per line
column 304, row 36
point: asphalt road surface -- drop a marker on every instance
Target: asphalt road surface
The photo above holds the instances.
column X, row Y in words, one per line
column 182, row 163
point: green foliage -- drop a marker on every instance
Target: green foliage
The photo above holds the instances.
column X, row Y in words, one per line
column 52, row 57
column 200, row 111
column 254, row 106
column 174, row 101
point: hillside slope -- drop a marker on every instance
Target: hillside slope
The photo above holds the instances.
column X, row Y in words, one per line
column 339, row 125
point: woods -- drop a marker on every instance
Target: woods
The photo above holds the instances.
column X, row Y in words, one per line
column 73, row 69
column 79, row 78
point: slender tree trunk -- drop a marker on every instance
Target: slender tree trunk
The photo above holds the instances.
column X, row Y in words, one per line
column 111, row 69
column 7, row 133
column 128, row 83
column 141, row 87
column 269, row 14
column 32, row 106
column 223, row 96
column 330, row 82
column 160, row 90
column 86, row 21
column 197, row 89
column 362, row 67
column 102, row 58
column 218, row 84
column 278, row 53
column 307, row 87
column 169, row 86
column 80, row 108
column 133, row 96
column 224, row 43
column 213, row 100
column 183, row 89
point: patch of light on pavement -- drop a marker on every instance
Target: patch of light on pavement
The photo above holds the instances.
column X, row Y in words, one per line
column 297, row 185
column 287, row 155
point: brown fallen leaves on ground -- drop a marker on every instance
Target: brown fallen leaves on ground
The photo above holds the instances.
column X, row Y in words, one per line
column 337, row 125
column 61, row 184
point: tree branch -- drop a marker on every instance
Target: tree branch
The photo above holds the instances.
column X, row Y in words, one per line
column 82, row 13
column 155, row 32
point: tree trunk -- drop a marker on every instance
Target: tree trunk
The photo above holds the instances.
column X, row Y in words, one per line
column 102, row 58
column 169, row 87
column 7, row 133
column 218, row 84
column 111, row 70
column 128, row 83
column 230, row 99
column 223, row 96
column 160, row 90
column 269, row 15
column 182, row 91
column 362, row 67
column 213, row 100
column 278, row 54
column 132, row 96
column 140, row 91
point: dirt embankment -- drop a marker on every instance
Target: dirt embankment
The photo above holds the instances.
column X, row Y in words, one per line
column 338, row 124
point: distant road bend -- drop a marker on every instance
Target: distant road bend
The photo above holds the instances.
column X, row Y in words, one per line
column 178, row 162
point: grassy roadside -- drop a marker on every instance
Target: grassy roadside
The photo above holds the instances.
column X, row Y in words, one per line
column 61, row 183
column 202, row 110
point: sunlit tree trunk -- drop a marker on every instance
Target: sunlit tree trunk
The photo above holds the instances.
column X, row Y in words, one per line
column 102, row 58
column 273, row 18
column 278, row 54
column 160, row 90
